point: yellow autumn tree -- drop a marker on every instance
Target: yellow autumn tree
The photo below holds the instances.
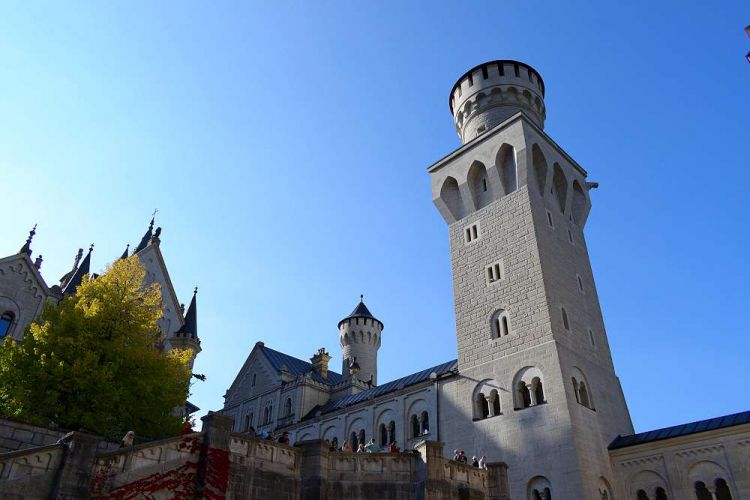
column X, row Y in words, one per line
column 94, row 361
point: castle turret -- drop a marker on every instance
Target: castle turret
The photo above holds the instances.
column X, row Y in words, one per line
column 186, row 337
column 494, row 91
column 359, row 335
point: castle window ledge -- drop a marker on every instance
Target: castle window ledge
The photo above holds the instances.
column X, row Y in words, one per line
column 479, row 419
column 532, row 406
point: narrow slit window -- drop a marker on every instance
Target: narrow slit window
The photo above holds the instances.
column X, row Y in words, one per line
column 516, row 69
column 591, row 337
column 549, row 219
column 494, row 272
column 580, row 283
column 484, row 72
column 566, row 323
column 474, row 232
column 504, row 324
column 484, row 184
column 570, row 236
column 471, row 233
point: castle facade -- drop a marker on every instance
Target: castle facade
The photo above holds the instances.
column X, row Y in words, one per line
column 533, row 384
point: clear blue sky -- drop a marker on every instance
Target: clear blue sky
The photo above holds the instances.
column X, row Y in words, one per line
column 286, row 145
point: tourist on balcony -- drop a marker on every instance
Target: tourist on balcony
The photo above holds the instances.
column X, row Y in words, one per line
column 456, row 455
column 127, row 440
column 346, row 448
column 394, row 448
column 474, row 462
column 361, row 448
column 483, row 462
column 372, row 447
column 284, row 439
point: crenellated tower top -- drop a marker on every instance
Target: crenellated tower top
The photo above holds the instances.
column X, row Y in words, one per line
column 490, row 93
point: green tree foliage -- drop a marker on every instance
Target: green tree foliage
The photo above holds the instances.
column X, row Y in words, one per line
column 94, row 361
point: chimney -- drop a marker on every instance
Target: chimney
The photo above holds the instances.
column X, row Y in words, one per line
column 320, row 362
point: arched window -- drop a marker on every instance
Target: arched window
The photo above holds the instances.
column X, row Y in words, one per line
column 538, row 391
column 559, row 187
column 266, row 415
column 505, row 162
column 6, row 321
column 481, row 192
column 701, row 492
column 575, row 389
column 500, row 325
column 583, row 395
column 722, row 490
column 250, row 419
column 383, row 435
column 391, row 431
column 288, row 407
column 451, row 197
column 425, row 421
column 362, row 436
column 661, row 494
column 566, row 323
column 579, row 203
column 524, row 395
column 353, row 441
column 540, row 167
column 483, row 406
column 247, row 422
column 495, row 402
column 415, row 426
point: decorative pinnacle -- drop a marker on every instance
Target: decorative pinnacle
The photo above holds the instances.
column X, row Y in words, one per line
column 26, row 248
column 361, row 298
column 91, row 248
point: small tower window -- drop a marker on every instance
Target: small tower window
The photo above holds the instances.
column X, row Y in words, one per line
column 472, row 233
column 549, row 219
column 580, row 283
column 495, row 272
column 6, row 321
column 566, row 323
column 591, row 338
column 570, row 237
column 254, row 377
column 415, row 432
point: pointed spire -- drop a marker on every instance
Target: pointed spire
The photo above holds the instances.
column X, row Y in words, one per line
column 190, row 327
column 77, row 278
column 26, row 248
column 146, row 237
column 66, row 277
column 125, row 253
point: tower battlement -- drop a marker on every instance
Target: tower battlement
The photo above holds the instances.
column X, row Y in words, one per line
column 492, row 92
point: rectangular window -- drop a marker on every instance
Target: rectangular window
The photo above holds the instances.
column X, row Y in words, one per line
column 471, row 233
column 495, row 272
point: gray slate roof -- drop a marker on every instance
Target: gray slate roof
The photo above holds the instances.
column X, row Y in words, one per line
column 296, row 366
column 681, row 430
column 380, row 390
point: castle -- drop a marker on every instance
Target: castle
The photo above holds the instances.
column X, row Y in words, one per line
column 534, row 384
column 24, row 292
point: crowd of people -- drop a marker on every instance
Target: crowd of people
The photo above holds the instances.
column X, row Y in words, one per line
column 460, row 456
column 370, row 447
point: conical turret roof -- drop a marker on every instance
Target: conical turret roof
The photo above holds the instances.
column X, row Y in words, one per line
column 190, row 327
column 361, row 311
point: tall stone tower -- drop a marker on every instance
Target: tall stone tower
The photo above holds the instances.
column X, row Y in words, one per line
column 360, row 337
column 537, row 381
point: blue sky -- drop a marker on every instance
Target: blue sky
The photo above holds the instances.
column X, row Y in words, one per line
column 286, row 145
